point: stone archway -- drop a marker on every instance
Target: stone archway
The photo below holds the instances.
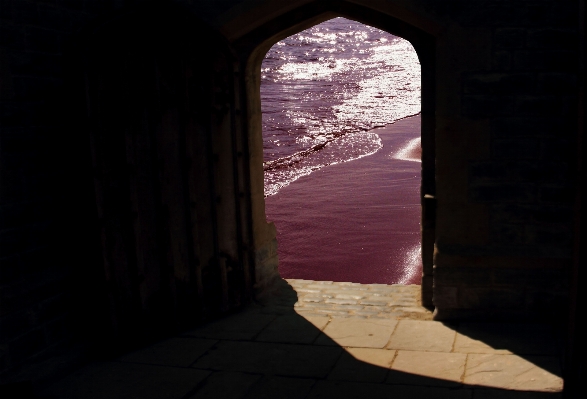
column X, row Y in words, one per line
column 461, row 116
column 503, row 85
column 253, row 46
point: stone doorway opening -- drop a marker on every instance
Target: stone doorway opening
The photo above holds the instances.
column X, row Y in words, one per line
column 320, row 187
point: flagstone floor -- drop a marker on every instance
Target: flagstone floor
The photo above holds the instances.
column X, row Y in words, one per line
column 311, row 339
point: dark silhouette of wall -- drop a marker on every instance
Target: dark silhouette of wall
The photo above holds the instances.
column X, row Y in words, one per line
column 131, row 182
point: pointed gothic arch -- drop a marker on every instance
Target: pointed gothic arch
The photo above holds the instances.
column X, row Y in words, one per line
column 252, row 48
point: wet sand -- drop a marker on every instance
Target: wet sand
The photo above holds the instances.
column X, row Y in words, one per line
column 357, row 221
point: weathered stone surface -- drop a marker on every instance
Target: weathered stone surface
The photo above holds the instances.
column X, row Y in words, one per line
column 271, row 358
column 422, row 336
column 334, row 312
column 368, row 312
column 271, row 387
column 440, row 368
column 454, row 275
column 245, row 325
column 506, row 338
column 491, row 298
column 341, row 301
column 362, row 364
column 351, row 295
column 411, row 310
column 308, row 290
column 498, row 83
column 509, row 37
column 315, row 299
column 374, row 302
column 353, row 332
column 179, row 351
column 226, row 385
column 316, row 286
column 489, row 393
column 128, row 380
column 425, row 366
column 293, row 328
column 514, row 372
column 357, row 390
column 364, row 300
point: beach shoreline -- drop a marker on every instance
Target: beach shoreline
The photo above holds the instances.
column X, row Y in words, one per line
column 356, row 221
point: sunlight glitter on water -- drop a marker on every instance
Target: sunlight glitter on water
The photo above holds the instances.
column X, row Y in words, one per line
column 411, row 265
column 323, row 88
column 411, row 151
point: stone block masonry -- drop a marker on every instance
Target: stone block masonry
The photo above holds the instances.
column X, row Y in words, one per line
column 369, row 301
column 523, row 98
column 42, row 206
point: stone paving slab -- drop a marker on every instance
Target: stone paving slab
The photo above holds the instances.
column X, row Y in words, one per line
column 127, row 380
column 273, row 387
column 226, row 385
column 488, row 393
column 422, row 336
column 442, row 369
column 291, row 328
column 356, row 332
column 357, row 390
column 271, row 358
column 363, row 364
column 513, row 372
column 287, row 347
column 177, row 351
column 241, row 326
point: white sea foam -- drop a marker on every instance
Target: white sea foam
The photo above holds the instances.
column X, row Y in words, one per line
column 346, row 148
column 324, row 88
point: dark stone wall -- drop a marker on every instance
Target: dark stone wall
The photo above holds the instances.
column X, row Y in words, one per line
column 504, row 99
column 124, row 214
column 575, row 343
column 519, row 105
column 44, row 247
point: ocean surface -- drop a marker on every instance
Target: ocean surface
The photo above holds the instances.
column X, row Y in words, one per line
column 354, row 214
column 324, row 88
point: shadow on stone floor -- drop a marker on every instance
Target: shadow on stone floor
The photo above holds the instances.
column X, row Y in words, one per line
column 270, row 351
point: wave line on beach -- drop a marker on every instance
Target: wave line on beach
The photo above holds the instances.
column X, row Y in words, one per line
column 282, row 172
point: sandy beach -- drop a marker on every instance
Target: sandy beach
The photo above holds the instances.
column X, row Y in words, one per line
column 357, row 221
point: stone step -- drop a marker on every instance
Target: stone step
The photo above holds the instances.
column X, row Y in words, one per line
column 345, row 299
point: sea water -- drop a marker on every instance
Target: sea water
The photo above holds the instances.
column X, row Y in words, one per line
column 324, row 92
column 324, row 88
